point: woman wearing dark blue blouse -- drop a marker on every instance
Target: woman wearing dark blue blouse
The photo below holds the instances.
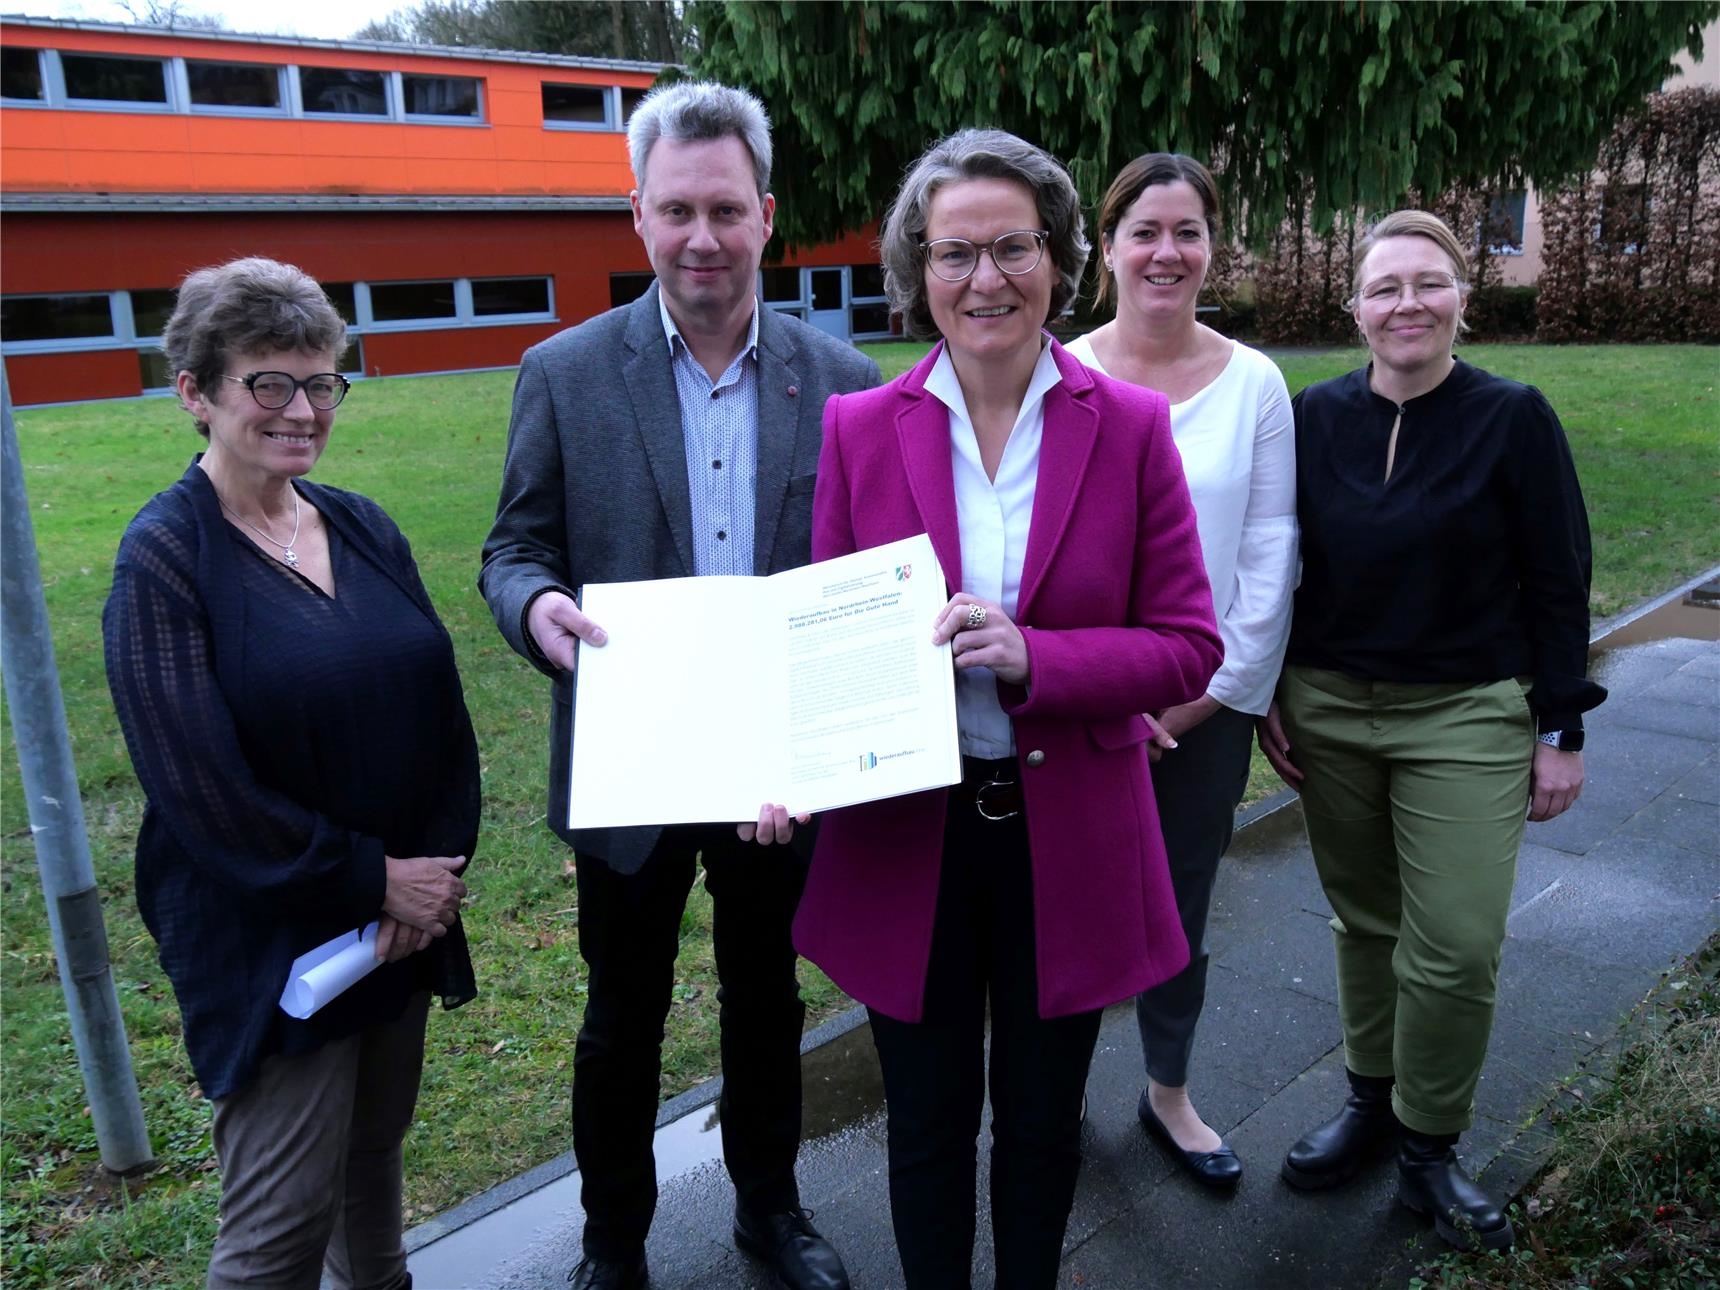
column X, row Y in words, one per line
column 293, row 712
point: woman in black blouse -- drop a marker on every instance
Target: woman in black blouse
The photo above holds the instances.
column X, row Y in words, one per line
column 1432, row 697
column 294, row 715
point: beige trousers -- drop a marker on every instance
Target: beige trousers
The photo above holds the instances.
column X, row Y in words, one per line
column 310, row 1153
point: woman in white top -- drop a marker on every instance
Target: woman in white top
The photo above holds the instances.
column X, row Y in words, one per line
column 1230, row 416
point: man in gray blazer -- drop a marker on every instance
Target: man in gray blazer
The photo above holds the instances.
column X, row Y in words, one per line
column 673, row 437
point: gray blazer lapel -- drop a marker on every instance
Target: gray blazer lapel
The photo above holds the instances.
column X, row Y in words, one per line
column 657, row 409
column 780, row 386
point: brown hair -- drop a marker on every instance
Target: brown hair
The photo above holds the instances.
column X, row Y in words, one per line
column 1144, row 172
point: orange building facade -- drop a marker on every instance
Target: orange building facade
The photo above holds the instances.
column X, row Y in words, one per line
column 458, row 205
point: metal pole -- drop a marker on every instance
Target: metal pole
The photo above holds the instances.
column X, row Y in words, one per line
column 57, row 824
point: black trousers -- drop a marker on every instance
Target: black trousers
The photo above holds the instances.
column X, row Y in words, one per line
column 1198, row 785
column 935, row 1077
column 629, row 932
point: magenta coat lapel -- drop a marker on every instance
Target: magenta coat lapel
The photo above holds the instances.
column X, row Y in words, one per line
column 1071, row 426
column 923, row 429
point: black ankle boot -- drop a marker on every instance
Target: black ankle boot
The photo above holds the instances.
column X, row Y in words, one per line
column 1332, row 1153
column 1430, row 1181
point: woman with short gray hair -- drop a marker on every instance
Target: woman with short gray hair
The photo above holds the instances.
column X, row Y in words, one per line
column 292, row 708
column 980, row 154
column 1038, row 886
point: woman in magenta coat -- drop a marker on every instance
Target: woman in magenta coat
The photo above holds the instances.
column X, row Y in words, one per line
column 1055, row 500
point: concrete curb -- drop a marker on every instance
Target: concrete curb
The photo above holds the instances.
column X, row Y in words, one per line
column 1607, row 626
column 699, row 1096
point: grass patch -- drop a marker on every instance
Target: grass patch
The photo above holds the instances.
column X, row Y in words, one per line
column 1630, row 1199
column 429, row 449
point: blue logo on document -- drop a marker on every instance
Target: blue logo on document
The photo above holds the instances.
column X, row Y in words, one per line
column 868, row 761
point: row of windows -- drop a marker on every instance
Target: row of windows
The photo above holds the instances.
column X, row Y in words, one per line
column 48, row 323
column 847, row 301
column 55, row 78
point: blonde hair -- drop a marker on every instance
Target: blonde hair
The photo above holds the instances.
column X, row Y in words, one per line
column 1414, row 224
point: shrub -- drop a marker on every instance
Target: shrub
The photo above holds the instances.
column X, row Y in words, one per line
column 1631, row 251
column 1499, row 312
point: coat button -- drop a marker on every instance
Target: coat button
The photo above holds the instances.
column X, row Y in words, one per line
column 1036, row 758
column 793, row 390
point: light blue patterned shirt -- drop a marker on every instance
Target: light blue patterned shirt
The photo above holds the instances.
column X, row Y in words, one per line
column 719, row 423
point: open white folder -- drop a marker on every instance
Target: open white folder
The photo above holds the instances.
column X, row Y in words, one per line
column 815, row 688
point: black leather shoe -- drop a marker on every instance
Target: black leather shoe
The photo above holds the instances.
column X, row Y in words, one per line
column 1219, row 1170
column 610, row 1274
column 791, row 1248
column 1332, row 1153
column 1430, row 1181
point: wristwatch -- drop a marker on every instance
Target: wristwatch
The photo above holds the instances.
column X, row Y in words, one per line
column 1563, row 740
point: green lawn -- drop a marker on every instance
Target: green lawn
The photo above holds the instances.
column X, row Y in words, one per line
column 1642, row 423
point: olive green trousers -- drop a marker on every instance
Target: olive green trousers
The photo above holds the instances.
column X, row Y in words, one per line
column 1415, row 798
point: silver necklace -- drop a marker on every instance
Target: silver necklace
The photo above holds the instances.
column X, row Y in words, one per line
column 287, row 553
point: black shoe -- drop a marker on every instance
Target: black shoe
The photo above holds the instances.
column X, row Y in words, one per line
column 1430, row 1181
column 1332, row 1153
column 594, row 1273
column 791, row 1248
column 1219, row 1170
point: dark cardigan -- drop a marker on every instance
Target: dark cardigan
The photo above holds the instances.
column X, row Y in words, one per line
column 286, row 742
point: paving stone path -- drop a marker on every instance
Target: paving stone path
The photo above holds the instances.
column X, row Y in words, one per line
column 1608, row 897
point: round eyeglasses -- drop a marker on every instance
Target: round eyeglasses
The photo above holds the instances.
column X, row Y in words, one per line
column 954, row 259
column 274, row 390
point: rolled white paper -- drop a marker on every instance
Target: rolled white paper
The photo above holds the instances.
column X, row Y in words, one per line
column 318, row 975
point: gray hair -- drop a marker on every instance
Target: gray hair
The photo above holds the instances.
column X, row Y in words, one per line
column 247, row 306
column 979, row 154
column 694, row 111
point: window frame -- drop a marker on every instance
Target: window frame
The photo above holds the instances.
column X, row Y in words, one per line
column 855, row 301
column 481, row 117
column 283, row 92
column 613, row 120
column 60, row 96
column 1521, row 197
column 531, row 315
column 41, row 100
column 120, row 334
column 390, row 95
column 463, row 316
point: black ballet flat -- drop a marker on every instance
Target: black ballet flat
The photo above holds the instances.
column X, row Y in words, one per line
column 1219, row 1170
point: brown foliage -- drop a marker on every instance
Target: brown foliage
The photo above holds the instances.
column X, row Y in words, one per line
column 1303, row 282
column 1632, row 250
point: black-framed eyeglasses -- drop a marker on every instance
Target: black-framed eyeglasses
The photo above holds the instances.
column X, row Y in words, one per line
column 955, row 258
column 274, row 390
